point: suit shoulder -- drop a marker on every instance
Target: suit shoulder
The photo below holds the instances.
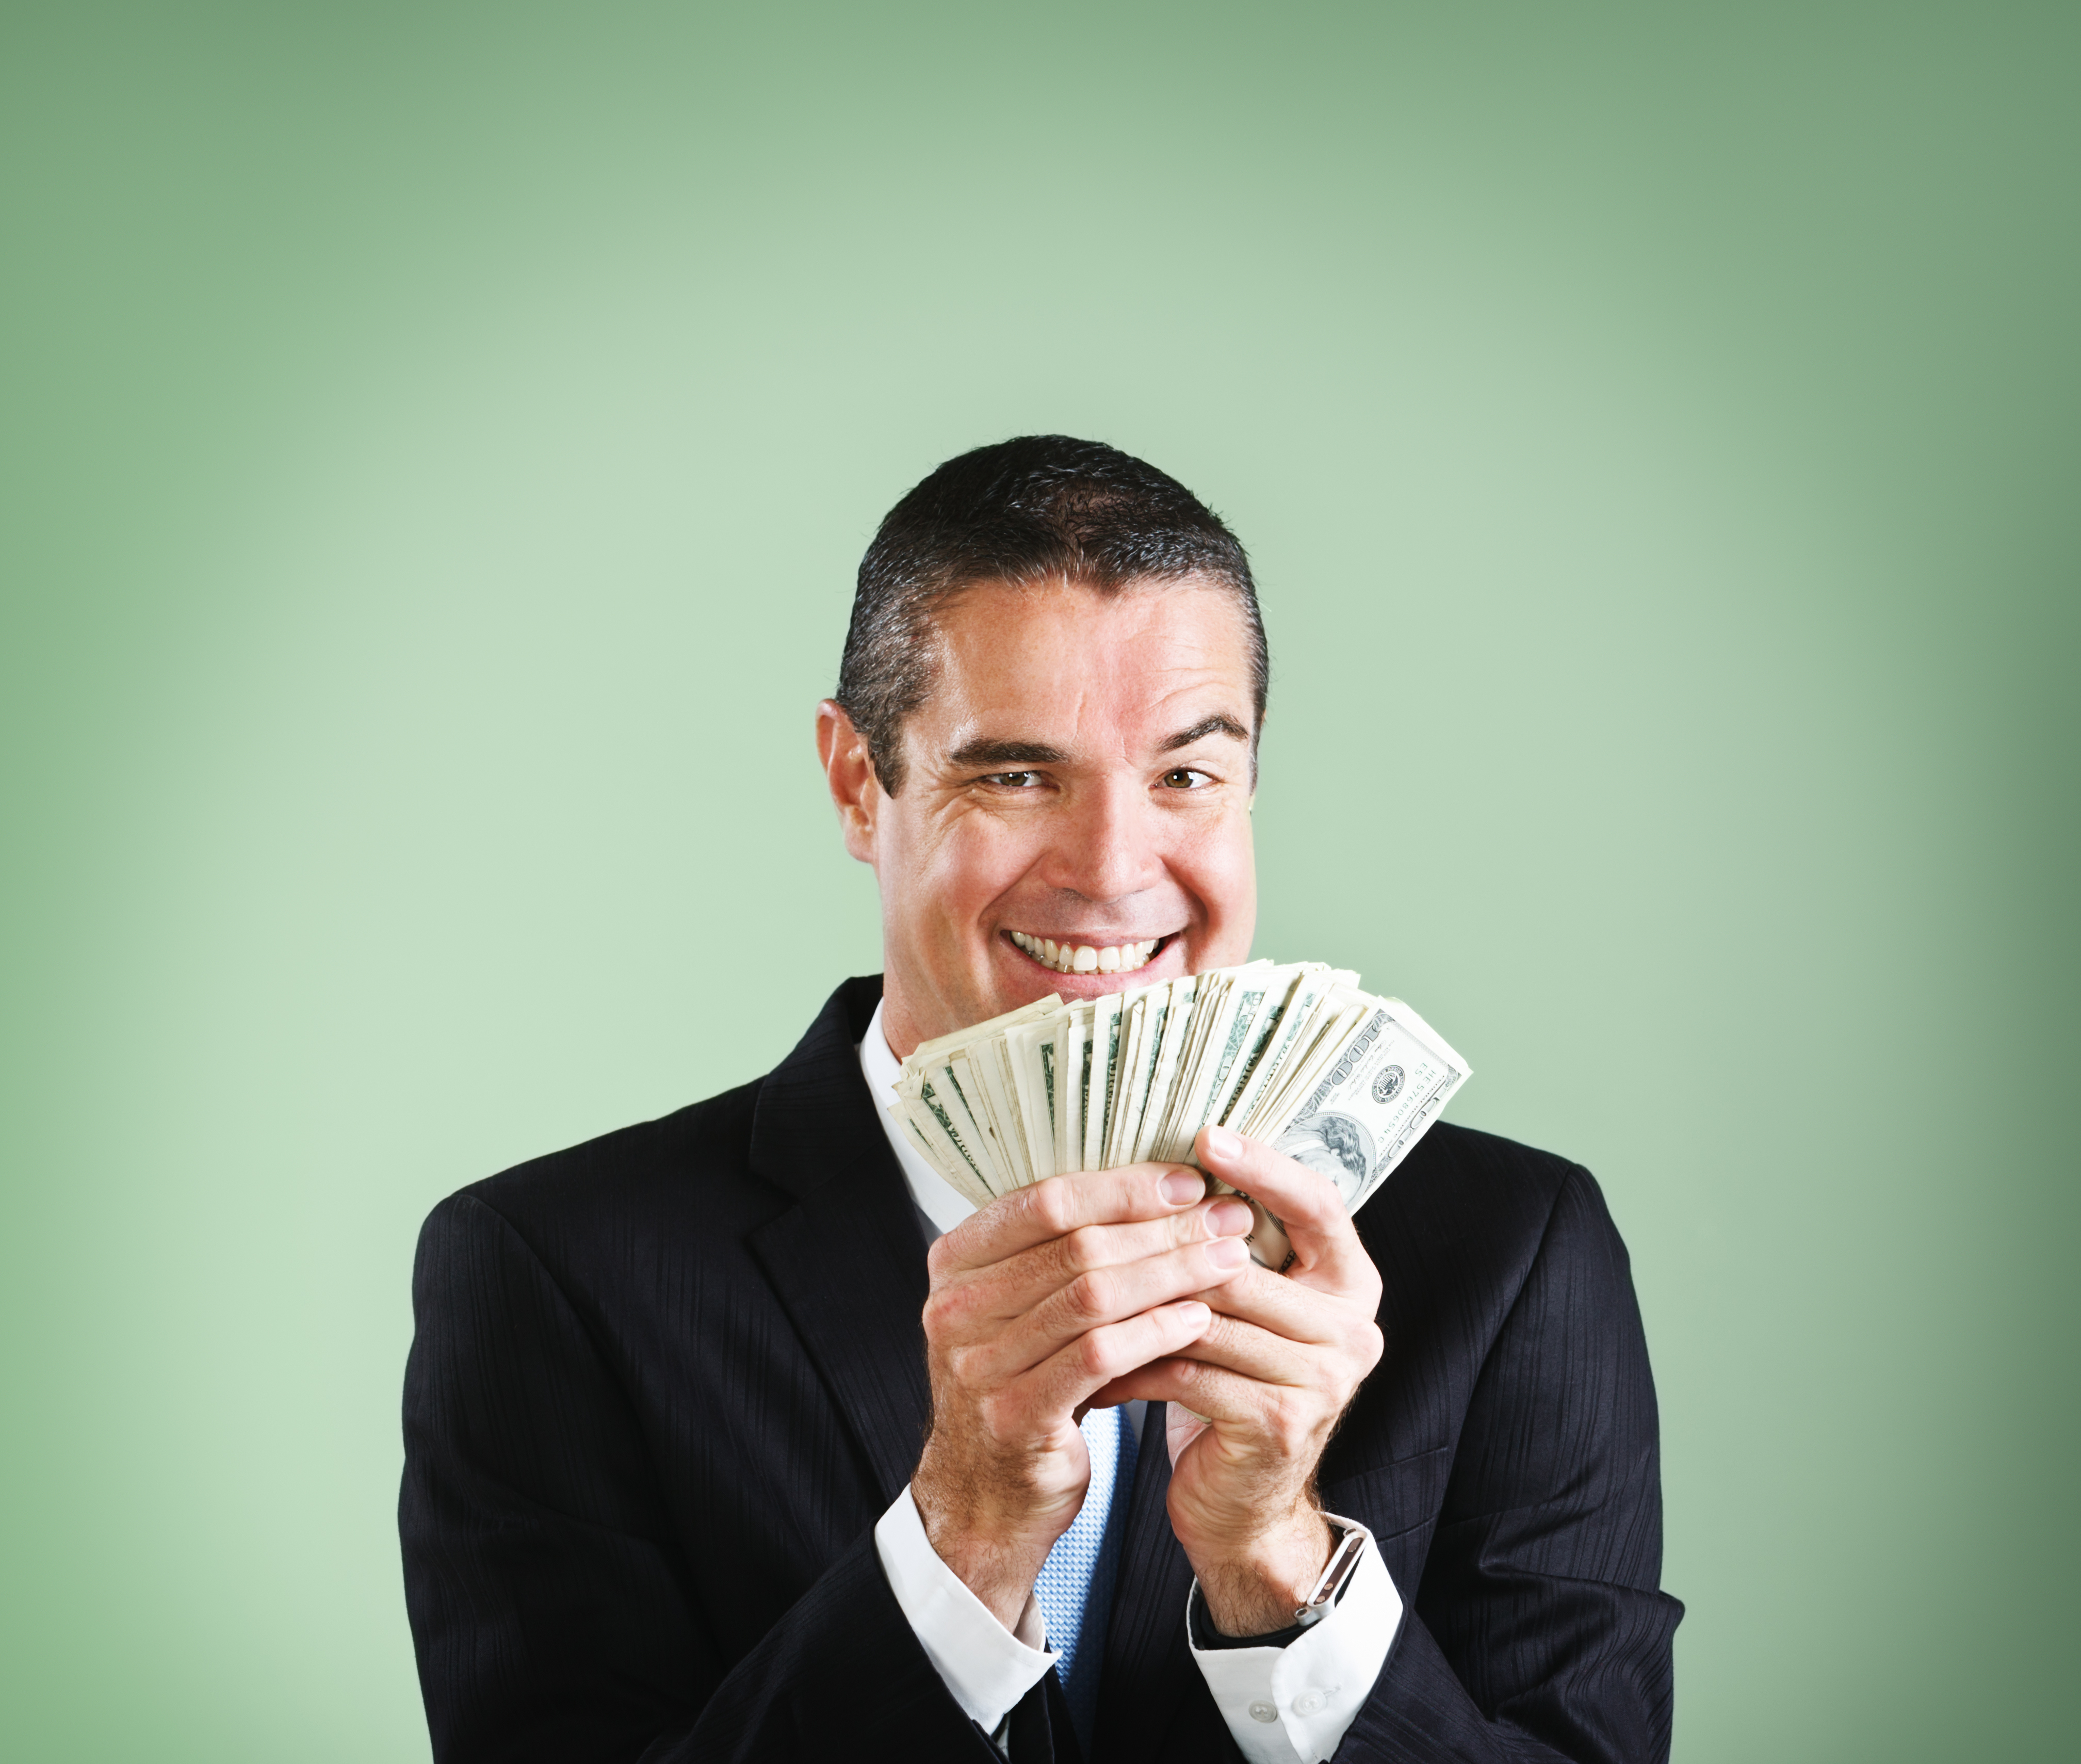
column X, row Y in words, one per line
column 1463, row 1185
column 1457, row 1154
column 703, row 1148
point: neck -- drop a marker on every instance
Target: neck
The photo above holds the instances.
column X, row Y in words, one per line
column 899, row 1026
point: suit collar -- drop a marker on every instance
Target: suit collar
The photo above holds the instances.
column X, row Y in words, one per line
column 846, row 1260
column 815, row 1100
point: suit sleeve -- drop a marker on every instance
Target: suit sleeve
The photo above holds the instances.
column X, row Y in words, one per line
column 1538, row 1632
column 553, row 1608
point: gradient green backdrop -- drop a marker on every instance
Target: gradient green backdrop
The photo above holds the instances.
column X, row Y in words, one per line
column 437, row 444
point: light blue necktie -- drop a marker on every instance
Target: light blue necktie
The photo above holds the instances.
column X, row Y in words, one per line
column 1074, row 1590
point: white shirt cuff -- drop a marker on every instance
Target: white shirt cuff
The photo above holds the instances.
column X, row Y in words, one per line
column 987, row 1667
column 1293, row 1705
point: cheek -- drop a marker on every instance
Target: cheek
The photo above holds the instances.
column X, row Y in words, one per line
column 1221, row 869
column 970, row 861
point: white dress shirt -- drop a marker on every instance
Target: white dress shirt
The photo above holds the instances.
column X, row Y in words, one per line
column 1288, row 1705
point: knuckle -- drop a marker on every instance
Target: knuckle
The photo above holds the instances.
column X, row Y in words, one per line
column 1290, row 1427
column 1096, row 1355
column 1372, row 1346
column 1082, row 1249
column 1050, row 1205
column 942, row 1313
column 1091, row 1295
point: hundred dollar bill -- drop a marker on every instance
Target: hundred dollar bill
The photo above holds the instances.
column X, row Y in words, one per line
column 1103, row 1055
column 1389, row 1081
column 1295, row 1056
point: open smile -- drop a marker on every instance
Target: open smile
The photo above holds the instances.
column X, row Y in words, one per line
column 1073, row 957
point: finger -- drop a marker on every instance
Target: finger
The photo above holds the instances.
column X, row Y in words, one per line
column 1299, row 1314
column 1212, row 1392
column 1096, row 1300
column 1325, row 1245
column 1277, row 1355
column 1252, row 1353
column 1069, row 1378
column 1014, row 1286
column 1062, row 1204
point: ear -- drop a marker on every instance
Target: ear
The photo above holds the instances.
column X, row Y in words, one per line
column 855, row 791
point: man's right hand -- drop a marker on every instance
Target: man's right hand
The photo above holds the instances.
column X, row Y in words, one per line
column 1038, row 1301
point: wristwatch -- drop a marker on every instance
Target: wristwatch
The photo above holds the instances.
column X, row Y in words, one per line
column 1343, row 1559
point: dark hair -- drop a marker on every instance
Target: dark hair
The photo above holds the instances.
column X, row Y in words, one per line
column 1037, row 509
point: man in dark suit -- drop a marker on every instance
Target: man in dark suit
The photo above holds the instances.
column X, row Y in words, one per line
column 737, row 1435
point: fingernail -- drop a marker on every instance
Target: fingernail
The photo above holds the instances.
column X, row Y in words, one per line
column 1228, row 1219
column 1223, row 1142
column 1181, row 1188
column 1227, row 1253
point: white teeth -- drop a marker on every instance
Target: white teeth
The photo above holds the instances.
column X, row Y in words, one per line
column 1082, row 958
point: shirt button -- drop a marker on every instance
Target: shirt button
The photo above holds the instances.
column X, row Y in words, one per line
column 1308, row 1702
column 1263, row 1711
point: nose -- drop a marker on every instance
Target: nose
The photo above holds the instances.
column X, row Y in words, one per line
column 1106, row 847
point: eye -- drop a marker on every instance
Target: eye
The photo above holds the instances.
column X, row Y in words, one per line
column 1185, row 778
column 1013, row 781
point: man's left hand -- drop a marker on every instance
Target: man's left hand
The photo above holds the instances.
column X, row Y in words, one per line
column 1280, row 1364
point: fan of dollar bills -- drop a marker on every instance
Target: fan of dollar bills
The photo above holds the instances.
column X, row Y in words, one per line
column 1295, row 1056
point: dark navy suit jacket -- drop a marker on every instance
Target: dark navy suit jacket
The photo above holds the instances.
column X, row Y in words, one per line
column 664, row 1384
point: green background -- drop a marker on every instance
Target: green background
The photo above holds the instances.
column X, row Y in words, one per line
column 437, row 445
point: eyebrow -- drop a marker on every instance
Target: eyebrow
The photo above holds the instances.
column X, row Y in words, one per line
column 1006, row 753
column 1018, row 753
column 1218, row 724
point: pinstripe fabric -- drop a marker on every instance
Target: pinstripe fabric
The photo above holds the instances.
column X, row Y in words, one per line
column 664, row 1383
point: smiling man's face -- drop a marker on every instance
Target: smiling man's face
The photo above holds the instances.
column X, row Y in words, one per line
column 1079, row 778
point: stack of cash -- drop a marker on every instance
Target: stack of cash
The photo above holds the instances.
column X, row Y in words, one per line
column 1295, row 1056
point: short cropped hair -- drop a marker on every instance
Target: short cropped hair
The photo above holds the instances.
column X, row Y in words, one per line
column 1030, row 512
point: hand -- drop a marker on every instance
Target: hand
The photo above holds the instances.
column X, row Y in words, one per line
column 1278, row 1365
column 1038, row 1300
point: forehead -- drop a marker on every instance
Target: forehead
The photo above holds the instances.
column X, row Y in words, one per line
column 1073, row 657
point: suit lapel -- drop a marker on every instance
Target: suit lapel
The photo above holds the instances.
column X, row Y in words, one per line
column 846, row 1260
column 1148, row 1665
